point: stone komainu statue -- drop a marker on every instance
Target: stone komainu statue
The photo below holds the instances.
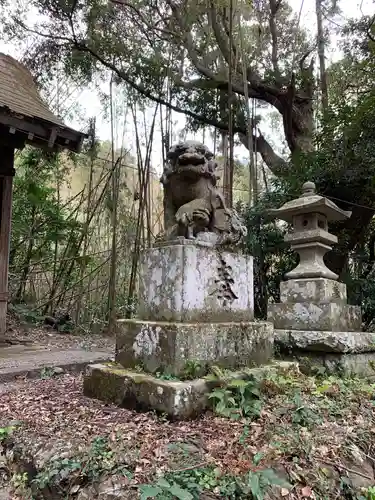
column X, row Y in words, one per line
column 193, row 206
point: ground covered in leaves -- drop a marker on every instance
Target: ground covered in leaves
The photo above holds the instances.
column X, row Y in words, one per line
column 19, row 332
column 296, row 437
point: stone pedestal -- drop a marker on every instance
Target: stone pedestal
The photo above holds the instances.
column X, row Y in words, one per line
column 314, row 324
column 314, row 304
column 179, row 399
column 168, row 347
column 196, row 309
column 313, row 313
column 190, row 282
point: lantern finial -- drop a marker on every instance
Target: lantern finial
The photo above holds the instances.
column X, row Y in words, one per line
column 308, row 189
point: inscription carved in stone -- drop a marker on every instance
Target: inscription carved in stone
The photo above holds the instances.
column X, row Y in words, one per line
column 224, row 282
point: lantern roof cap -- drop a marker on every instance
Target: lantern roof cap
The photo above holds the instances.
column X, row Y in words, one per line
column 309, row 202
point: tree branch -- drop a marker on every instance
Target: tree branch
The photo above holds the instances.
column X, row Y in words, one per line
column 274, row 7
column 145, row 93
column 257, row 90
column 148, row 25
column 189, row 45
column 221, row 41
column 274, row 162
column 369, row 29
column 139, row 88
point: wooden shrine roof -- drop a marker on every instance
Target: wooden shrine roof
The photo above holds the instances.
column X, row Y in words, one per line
column 25, row 115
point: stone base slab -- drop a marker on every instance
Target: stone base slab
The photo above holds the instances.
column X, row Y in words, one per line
column 168, row 347
column 178, row 399
column 326, row 341
column 189, row 282
column 345, row 365
column 316, row 290
column 315, row 316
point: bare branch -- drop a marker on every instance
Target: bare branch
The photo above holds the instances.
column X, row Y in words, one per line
column 151, row 27
column 73, row 7
column 274, row 162
column 219, row 36
column 306, row 55
column 274, row 7
column 369, row 34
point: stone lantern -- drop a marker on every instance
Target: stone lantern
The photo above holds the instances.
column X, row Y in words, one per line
column 313, row 321
column 309, row 214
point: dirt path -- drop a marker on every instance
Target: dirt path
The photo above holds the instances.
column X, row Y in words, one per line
column 34, row 351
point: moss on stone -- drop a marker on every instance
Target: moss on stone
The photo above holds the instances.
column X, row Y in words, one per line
column 178, row 399
column 170, row 347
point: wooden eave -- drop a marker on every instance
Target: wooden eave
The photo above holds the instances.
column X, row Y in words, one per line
column 25, row 118
column 38, row 132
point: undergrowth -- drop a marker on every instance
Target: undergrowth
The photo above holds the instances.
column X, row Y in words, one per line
column 191, row 484
column 283, row 438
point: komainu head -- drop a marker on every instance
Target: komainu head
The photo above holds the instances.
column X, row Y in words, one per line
column 189, row 158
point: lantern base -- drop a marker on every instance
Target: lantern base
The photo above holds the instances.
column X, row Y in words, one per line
column 311, row 263
column 315, row 316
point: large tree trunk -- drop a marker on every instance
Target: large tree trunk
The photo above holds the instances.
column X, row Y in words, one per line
column 299, row 128
column 350, row 234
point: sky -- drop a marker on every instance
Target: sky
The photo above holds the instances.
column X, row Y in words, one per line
column 90, row 105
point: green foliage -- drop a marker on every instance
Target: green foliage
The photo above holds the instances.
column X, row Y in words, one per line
column 48, row 372
column 20, row 481
column 6, row 432
column 370, row 493
column 166, row 376
column 348, row 491
column 36, row 209
column 25, row 314
column 40, row 222
column 88, row 467
column 165, row 489
column 192, row 369
column 144, row 46
column 192, row 484
column 303, row 414
column 237, row 399
column 265, row 241
column 56, row 260
column 256, row 484
column 346, row 385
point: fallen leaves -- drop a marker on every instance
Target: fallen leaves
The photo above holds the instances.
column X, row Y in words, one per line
column 49, row 338
column 57, row 420
column 307, row 492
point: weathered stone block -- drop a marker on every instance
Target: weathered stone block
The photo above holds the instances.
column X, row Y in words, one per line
column 178, row 399
column 167, row 346
column 347, row 365
column 318, row 316
column 315, row 290
column 323, row 341
column 114, row 384
column 192, row 282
